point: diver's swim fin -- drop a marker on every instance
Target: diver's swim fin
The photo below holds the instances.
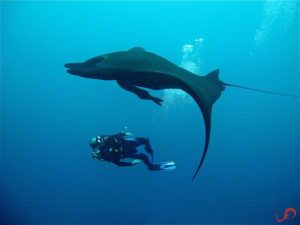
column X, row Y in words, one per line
column 167, row 166
column 163, row 166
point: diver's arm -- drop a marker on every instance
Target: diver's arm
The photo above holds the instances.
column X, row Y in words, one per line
column 121, row 134
column 94, row 153
column 118, row 135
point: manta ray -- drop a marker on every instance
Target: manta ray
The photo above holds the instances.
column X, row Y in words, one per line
column 137, row 68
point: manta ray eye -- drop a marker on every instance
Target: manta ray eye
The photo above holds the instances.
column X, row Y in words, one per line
column 94, row 61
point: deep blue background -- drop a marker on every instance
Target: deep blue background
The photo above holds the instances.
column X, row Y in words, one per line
column 251, row 170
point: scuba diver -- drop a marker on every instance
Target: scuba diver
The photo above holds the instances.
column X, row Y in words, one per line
column 114, row 148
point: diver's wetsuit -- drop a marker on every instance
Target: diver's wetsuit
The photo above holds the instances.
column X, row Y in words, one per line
column 117, row 147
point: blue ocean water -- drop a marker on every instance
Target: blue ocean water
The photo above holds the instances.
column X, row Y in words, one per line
column 251, row 171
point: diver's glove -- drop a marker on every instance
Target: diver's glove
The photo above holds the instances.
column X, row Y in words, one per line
column 94, row 155
column 126, row 133
column 134, row 162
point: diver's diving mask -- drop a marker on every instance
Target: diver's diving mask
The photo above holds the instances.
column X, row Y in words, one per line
column 100, row 142
column 95, row 141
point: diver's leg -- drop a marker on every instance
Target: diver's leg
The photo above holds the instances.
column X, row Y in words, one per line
column 166, row 166
column 132, row 143
column 142, row 94
column 146, row 142
column 141, row 156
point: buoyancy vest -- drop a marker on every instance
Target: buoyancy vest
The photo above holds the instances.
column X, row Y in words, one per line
column 111, row 149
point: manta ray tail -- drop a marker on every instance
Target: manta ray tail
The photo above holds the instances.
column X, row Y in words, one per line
column 205, row 91
column 252, row 89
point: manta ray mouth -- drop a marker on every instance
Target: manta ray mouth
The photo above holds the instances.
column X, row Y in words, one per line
column 73, row 71
column 79, row 72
